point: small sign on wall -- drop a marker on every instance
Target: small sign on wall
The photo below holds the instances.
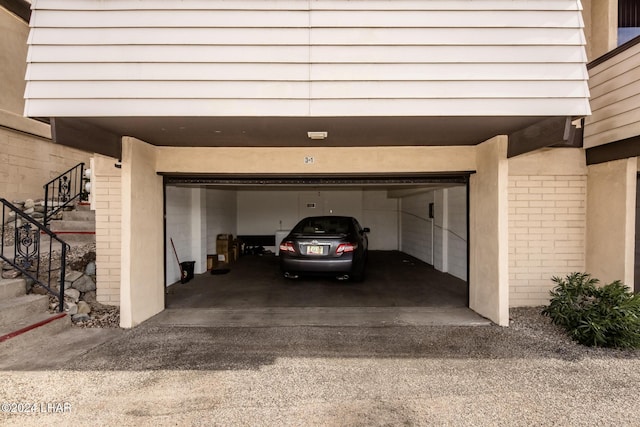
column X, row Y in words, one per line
column 309, row 160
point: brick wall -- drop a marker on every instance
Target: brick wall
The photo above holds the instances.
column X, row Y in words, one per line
column 547, row 226
column 29, row 162
column 107, row 202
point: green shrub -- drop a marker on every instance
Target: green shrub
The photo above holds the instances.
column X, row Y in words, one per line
column 607, row 316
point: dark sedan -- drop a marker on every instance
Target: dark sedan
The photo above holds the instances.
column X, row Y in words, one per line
column 325, row 245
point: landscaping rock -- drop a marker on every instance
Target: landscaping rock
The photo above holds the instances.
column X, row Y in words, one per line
column 28, row 204
column 80, row 317
column 70, row 307
column 72, row 276
column 72, row 294
column 11, row 274
column 89, row 297
column 83, row 307
column 84, row 284
column 90, row 270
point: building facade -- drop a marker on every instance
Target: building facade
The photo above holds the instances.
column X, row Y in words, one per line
column 208, row 117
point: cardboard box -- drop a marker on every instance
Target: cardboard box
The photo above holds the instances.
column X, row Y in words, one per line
column 224, row 247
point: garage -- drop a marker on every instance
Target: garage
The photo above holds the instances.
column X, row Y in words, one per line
column 418, row 244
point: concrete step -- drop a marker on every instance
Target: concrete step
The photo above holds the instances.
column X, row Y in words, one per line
column 10, row 288
column 83, row 215
column 66, row 225
column 15, row 310
column 34, row 328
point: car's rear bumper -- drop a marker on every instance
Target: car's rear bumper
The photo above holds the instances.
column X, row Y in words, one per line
column 344, row 264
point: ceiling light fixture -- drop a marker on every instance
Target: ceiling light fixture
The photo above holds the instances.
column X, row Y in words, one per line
column 317, row 135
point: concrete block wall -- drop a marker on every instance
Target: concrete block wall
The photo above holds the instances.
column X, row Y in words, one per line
column 107, row 202
column 547, row 228
column 29, row 162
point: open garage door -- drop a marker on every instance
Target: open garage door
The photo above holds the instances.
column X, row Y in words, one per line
column 418, row 241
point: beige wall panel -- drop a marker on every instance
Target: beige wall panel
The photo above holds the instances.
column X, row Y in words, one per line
column 549, row 161
column 611, row 220
column 27, row 163
column 327, row 160
column 488, row 221
column 615, row 90
column 621, row 93
column 13, row 51
column 601, row 20
column 142, row 289
column 612, row 128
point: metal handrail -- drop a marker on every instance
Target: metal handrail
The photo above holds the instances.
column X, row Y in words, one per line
column 27, row 249
column 63, row 190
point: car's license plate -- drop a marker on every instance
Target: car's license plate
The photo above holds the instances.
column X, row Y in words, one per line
column 314, row 250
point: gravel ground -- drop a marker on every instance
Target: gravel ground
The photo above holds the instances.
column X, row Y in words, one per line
column 528, row 374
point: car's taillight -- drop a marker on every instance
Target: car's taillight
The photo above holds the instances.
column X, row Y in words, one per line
column 346, row 247
column 287, row 247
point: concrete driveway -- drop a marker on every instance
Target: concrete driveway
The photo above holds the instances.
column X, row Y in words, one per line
column 153, row 375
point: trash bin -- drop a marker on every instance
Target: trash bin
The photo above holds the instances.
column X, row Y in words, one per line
column 187, row 268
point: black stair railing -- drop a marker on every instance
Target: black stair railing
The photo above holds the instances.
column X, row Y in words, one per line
column 62, row 190
column 29, row 247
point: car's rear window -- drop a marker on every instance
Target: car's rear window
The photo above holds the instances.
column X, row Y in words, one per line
column 323, row 225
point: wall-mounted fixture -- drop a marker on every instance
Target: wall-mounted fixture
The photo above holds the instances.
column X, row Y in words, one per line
column 317, row 135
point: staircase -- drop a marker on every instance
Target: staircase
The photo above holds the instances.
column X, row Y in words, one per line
column 24, row 318
column 76, row 227
column 26, row 244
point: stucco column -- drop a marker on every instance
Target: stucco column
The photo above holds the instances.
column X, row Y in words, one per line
column 611, row 198
column 142, row 289
column 489, row 232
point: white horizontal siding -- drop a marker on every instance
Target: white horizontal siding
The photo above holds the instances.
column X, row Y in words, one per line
column 300, row 90
column 615, row 91
column 551, row 5
column 500, row 57
column 304, row 54
column 288, row 18
column 292, row 107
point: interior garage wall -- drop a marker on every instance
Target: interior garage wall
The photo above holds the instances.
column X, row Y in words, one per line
column 417, row 227
column 442, row 240
column 178, row 223
column 221, row 215
column 263, row 212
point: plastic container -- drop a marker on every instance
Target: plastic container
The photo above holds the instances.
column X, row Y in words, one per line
column 187, row 268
